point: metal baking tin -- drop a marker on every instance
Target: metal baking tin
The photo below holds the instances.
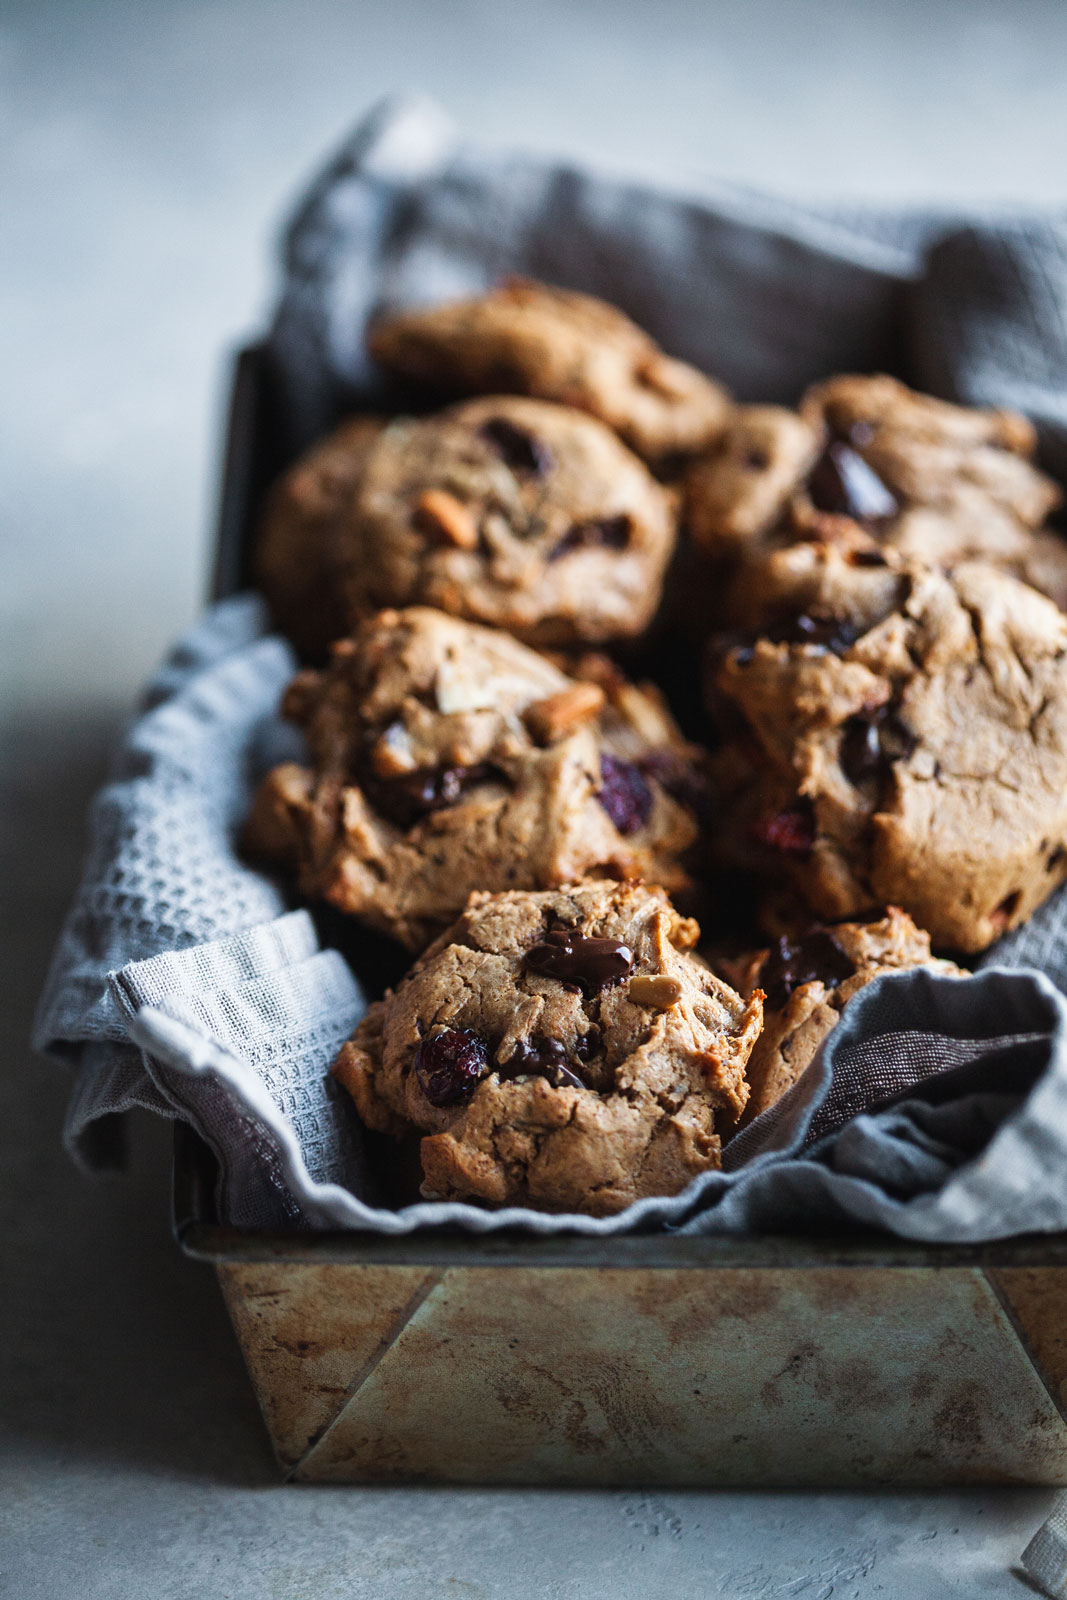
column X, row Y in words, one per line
column 651, row 1360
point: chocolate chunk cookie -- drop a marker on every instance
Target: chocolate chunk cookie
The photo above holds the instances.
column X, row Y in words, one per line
column 869, row 463
column 527, row 338
column 516, row 513
column 807, row 981
column 563, row 1050
column 444, row 757
column 303, row 533
column 904, row 742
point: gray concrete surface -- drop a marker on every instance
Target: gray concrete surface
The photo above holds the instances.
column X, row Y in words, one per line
column 147, row 150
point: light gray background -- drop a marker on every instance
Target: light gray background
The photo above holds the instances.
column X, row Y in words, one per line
column 147, row 153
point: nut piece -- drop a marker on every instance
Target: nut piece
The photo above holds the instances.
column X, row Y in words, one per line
column 440, row 514
column 559, row 714
column 659, row 992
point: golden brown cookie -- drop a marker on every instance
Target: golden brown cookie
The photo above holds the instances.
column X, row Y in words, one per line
column 868, row 463
column 902, row 741
column 528, row 338
column 444, row 757
column 563, row 1050
column 807, row 981
column 511, row 512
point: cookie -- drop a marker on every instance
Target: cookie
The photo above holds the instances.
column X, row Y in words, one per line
column 528, row 338
column 564, row 1050
column 510, row 512
column 903, row 741
column 869, row 463
column 302, row 534
column 807, row 981
column 444, row 757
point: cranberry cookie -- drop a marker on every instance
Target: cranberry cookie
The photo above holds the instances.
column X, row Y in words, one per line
column 527, row 338
column 904, row 741
column 562, row 1050
column 868, row 462
column 807, row 981
column 445, row 758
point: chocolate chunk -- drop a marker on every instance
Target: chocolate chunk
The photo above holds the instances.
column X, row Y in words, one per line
column 683, row 780
column 611, row 532
column 624, row 794
column 791, row 831
column 861, row 749
column 866, row 558
column 827, row 632
column 841, row 482
column 519, row 450
column 587, row 1045
column 410, row 796
column 584, row 963
column 816, row 955
column 871, row 742
column 543, row 1058
column 449, row 1065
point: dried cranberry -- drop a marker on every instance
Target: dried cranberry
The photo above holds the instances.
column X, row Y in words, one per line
column 410, row 796
column 449, row 1065
column 576, row 960
column 519, row 450
column 624, row 794
column 815, row 955
column 792, row 830
column 841, row 482
column 611, row 532
column 543, row 1058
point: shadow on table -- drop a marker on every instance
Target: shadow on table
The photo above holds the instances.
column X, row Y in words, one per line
column 112, row 1345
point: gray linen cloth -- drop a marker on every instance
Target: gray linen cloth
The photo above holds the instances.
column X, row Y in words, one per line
column 938, row 1108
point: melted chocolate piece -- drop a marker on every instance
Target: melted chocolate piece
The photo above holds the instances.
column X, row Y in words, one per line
column 410, row 796
column 815, row 955
column 580, row 962
column 624, row 794
column 612, row 532
column 450, row 1065
column 871, row 742
column 791, row 831
column 841, row 482
column 543, row 1058
column 519, row 450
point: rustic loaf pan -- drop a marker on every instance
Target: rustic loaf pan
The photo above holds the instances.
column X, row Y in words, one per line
column 635, row 1360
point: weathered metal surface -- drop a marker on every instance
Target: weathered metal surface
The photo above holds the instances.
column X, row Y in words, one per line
column 310, row 1333
column 1035, row 1299
column 822, row 1376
